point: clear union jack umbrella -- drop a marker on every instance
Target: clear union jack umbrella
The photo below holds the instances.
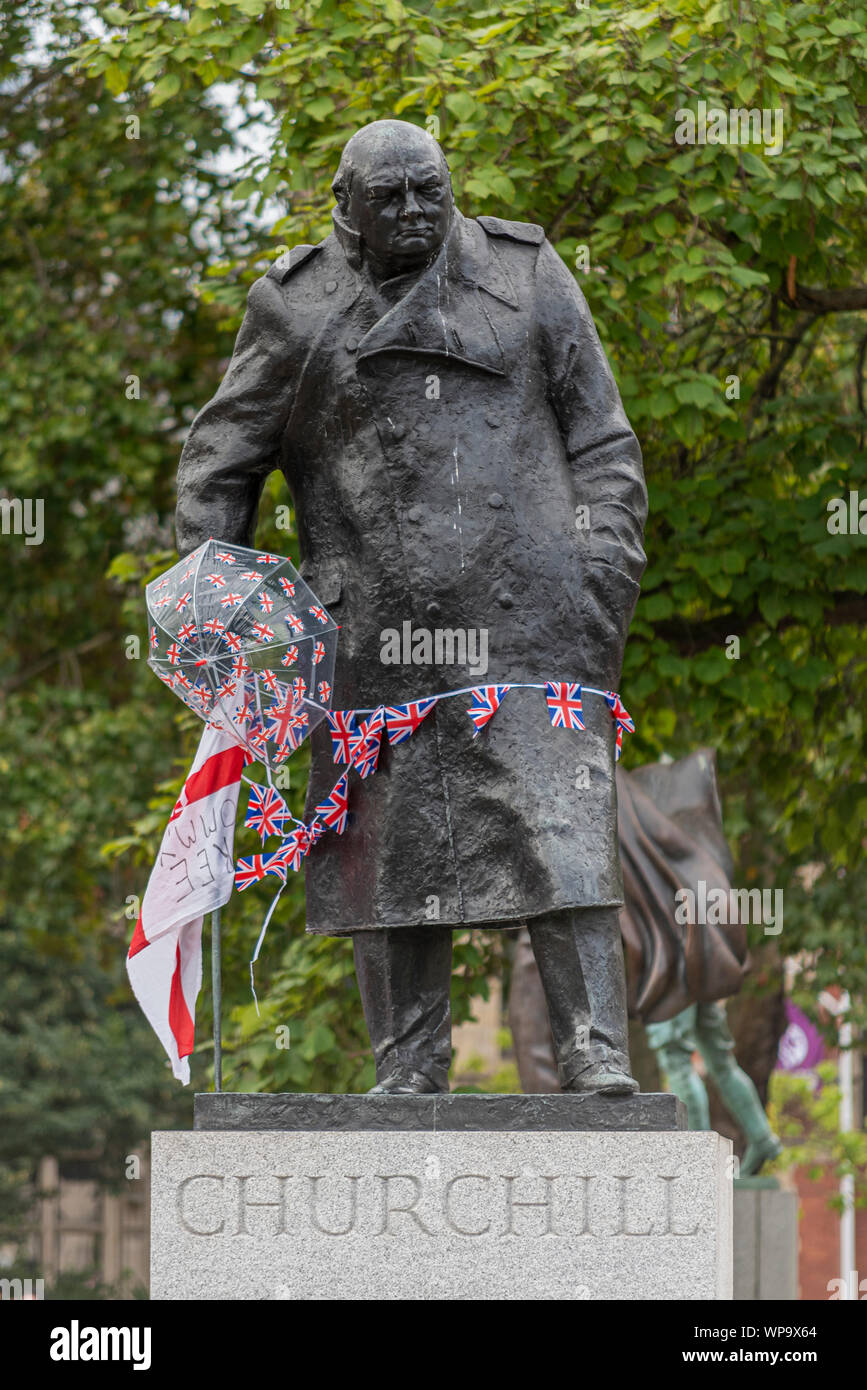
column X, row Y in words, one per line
column 246, row 644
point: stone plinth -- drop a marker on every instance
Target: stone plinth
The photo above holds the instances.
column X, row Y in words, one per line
column 765, row 1241
column 382, row 1211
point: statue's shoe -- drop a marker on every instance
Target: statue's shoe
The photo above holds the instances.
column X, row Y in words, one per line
column 412, row 1083
column 603, row 1079
column 758, row 1153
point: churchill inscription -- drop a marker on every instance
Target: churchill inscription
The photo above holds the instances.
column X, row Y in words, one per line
column 509, row 1215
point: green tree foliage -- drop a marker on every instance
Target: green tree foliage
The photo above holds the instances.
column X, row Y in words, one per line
column 726, row 281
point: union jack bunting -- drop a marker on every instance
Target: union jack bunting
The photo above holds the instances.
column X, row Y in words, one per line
column 257, row 867
column 343, row 731
column 294, row 848
column 623, row 719
column 315, row 829
column 564, row 705
column 403, row 720
column 282, row 719
column 334, row 809
column 364, row 748
column 267, row 812
column 486, row 701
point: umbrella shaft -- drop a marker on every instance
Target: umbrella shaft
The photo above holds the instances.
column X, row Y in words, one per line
column 217, row 996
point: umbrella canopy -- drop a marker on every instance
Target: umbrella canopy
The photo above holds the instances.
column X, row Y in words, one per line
column 245, row 643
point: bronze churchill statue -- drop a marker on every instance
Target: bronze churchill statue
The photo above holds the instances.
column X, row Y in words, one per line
column 435, row 392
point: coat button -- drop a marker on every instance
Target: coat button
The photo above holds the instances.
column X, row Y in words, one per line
column 414, row 514
column 398, row 431
column 434, row 612
column 506, row 601
column 495, row 500
column 330, row 286
column 351, row 344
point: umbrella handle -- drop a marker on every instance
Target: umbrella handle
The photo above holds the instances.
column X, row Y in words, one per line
column 217, row 997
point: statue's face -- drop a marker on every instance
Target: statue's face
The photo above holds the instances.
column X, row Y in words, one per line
column 402, row 206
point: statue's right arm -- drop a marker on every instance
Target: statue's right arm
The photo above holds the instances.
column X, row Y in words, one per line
column 234, row 441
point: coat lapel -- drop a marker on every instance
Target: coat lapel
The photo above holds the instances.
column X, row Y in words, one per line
column 445, row 313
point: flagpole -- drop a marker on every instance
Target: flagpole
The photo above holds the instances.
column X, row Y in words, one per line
column 217, row 997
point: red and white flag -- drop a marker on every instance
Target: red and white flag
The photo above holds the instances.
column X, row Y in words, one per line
column 193, row 874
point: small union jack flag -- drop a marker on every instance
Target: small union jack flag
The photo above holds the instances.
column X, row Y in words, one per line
column 256, row 867
column 290, row 658
column 486, row 701
column 246, row 709
column 162, row 584
column 299, row 686
column 269, row 559
column 343, row 731
column 226, row 558
column 266, row 603
column 334, row 809
column 214, row 627
column 564, row 705
column 182, row 602
column 174, row 653
column 187, row 633
column 293, row 621
column 403, row 720
column 294, row 848
column 252, row 576
column 267, row 812
column 318, row 652
column 154, row 639
column 232, row 641
column 161, row 602
column 324, row 692
column 623, row 719
column 263, row 632
column 227, row 689
column 231, row 600
column 282, row 719
column 364, row 748
column 218, row 580
column 240, row 667
column 319, row 614
column 185, row 682
column 288, row 587
column 315, row 830
column 187, row 572
column 270, row 680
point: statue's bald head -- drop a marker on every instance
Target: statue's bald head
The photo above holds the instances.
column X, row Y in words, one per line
column 393, row 188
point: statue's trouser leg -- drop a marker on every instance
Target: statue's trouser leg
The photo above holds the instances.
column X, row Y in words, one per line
column 404, row 975
column 674, row 1042
column 738, row 1094
column 580, row 958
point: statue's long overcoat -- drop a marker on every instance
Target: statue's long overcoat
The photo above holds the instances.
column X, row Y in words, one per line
column 439, row 435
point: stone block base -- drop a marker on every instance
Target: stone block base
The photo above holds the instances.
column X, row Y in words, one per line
column 452, row 1215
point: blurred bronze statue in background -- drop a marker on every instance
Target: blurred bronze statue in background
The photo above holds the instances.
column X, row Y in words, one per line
column 669, row 823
